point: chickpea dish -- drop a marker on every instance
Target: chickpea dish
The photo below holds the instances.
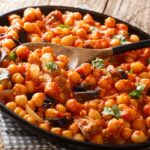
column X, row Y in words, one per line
column 38, row 86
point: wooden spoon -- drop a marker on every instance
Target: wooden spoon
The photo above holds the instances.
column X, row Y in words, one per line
column 80, row 55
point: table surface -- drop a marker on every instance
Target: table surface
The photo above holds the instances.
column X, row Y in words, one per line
column 136, row 12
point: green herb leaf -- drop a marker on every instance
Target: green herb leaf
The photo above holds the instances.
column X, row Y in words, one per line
column 148, row 60
column 98, row 63
column 92, row 28
column 12, row 56
column 4, row 74
column 114, row 111
column 121, row 38
column 63, row 26
column 3, row 54
column 130, row 71
column 52, row 66
column 137, row 92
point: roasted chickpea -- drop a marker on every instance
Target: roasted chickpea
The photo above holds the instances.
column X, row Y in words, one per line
column 110, row 22
column 45, row 126
column 17, row 78
column 134, row 38
column 8, row 43
column 138, row 137
column 56, row 130
column 51, row 113
column 78, row 137
column 21, row 100
column 74, row 77
column 67, row 133
column 94, row 114
column 22, row 52
column 11, row 105
column 68, row 40
column 115, row 42
column 38, row 99
column 137, row 67
column 47, row 36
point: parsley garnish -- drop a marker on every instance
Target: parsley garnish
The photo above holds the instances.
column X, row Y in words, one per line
column 12, row 56
column 98, row 63
column 63, row 26
column 114, row 111
column 52, row 66
column 121, row 38
column 137, row 92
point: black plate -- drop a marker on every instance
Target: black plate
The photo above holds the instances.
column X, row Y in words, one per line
column 55, row 139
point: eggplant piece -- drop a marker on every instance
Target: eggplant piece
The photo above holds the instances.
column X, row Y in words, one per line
column 88, row 95
column 23, row 38
column 49, row 102
column 60, row 122
column 80, row 88
column 123, row 74
column 3, row 54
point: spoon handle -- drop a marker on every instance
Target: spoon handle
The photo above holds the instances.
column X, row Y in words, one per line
column 132, row 46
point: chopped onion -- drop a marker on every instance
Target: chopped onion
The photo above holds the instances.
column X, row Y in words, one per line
column 33, row 114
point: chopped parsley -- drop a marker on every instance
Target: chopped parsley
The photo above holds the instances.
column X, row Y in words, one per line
column 114, row 111
column 98, row 63
column 52, row 66
column 137, row 92
column 121, row 38
column 12, row 56
column 63, row 26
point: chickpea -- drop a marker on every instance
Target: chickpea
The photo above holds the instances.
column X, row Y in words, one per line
column 29, row 119
column 77, row 15
column 144, row 75
column 13, row 16
column 78, row 43
column 137, row 67
column 31, row 28
column 60, row 108
column 63, row 58
column 22, row 52
column 110, row 102
column 84, row 69
column 47, row 36
column 94, row 114
column 113, row 124
column 81, row 33
column 13, row 34
column 147, row 121
column 56, row 40
column 38, row 99
column 51, row 113
column 122, row 27
column 146, row 109
column 123, row 99
column 73, row 105
column 126, row 133
column 74, row 77
column 8, row 43
column 30, row 14
column 88, row 19
column 17, row 78
column 105, row 82
column 69, row 21
column 19, row 111
column 129, row 114
column 36, row 39
column 45, row 126
column 13, row 68
column 95, row 35
column 11, row 105
column 138, row 137
column 138, row 124
column 79, row 137
column 67, row 133
column 21, row 100
column 30, row 85
column 74, row 128
column 98, row 139
column 110, row 22
column 134, row 38
column 90, row 80
column 56, row 130
column 19, row 89
column 124, row 85
column 115, row 42
column 68, row 40
column 1, row 87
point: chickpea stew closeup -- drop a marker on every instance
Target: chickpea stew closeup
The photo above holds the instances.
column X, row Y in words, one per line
column 38, row 86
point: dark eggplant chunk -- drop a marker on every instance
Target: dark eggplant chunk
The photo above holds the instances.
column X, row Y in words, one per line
column 60, row 122
column 17, row 42
column 86, row 95
column 49, row 102
column 79, row 88
column 123, row 74
column 23, row 36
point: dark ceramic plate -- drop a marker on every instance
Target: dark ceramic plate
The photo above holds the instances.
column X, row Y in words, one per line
column 55, row 139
